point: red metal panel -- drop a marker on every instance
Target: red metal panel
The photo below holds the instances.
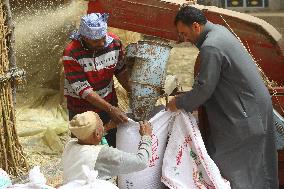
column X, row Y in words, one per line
column 143, row 16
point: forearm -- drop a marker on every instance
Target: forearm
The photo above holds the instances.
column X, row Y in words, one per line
column 139, row 161
column 112, row 161
column 98, row 101
column 191, row 100
column 145, row 149
column 115, row 113
column 123, row 79
column 205, row 83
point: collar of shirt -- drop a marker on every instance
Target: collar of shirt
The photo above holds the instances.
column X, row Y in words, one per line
column 207, row 28
column 76, row 36
column 109, row 40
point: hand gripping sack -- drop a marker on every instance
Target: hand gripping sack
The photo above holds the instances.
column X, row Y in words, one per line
column 128, row 138
column 186, row 163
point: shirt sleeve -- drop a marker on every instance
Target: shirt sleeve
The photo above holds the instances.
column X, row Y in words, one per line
column 112, row 162
column 76, row 77
column 206, row 81
column 121, row 60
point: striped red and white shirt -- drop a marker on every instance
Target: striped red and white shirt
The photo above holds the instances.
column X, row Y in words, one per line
column 88, row 70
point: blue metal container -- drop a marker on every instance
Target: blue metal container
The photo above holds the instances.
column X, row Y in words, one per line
column 147, row 76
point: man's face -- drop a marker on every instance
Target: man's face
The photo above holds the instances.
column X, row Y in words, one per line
column 97, row 44
column 189, row 33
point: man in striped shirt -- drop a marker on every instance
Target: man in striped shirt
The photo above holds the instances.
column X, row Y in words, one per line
column 90, row 61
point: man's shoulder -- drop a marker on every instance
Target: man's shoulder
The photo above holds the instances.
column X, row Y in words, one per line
column 218, row 37
column 73, row 147
column 106, row 148
column 116, row 40
column 114, row 36
column 107, row 152
column 74, row 45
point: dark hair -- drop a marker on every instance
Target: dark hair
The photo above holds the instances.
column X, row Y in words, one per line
column 188, row 15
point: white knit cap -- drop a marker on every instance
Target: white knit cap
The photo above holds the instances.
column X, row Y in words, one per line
column 83, row 125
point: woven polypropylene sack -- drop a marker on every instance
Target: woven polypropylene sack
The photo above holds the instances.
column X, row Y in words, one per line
column 186, row 163
column 128, row 138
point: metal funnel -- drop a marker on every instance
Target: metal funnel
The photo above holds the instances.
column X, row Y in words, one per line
column 148, row 61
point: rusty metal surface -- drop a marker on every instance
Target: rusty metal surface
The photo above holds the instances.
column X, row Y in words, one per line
column 148, row 74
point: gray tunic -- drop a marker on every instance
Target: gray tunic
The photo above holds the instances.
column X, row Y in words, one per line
column 239, row 109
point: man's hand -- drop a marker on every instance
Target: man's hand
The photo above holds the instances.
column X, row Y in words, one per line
column 110, row 125
column 145, row 128
column 117, row 115
column 172, row 105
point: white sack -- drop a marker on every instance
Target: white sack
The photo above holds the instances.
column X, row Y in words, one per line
column 186, row 164
column 128, row 138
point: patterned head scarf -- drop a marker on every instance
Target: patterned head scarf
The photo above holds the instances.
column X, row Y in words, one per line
column 93, row 26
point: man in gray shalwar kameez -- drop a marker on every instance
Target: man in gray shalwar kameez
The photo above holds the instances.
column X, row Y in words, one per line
column 237, row 103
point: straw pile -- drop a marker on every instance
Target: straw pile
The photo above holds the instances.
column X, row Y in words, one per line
column 11, row 153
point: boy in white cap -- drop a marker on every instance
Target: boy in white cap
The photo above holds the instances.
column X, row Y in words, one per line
column 108, row 161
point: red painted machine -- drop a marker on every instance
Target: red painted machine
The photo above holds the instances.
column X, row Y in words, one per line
column 156, row 18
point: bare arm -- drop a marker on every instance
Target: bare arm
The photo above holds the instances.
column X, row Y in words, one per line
column 121, row 71
column 98, row 101
column 84, row 90
column 115, row 113
column 123, row 79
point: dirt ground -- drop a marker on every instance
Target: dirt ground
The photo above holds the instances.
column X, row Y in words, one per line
column 181, row 64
